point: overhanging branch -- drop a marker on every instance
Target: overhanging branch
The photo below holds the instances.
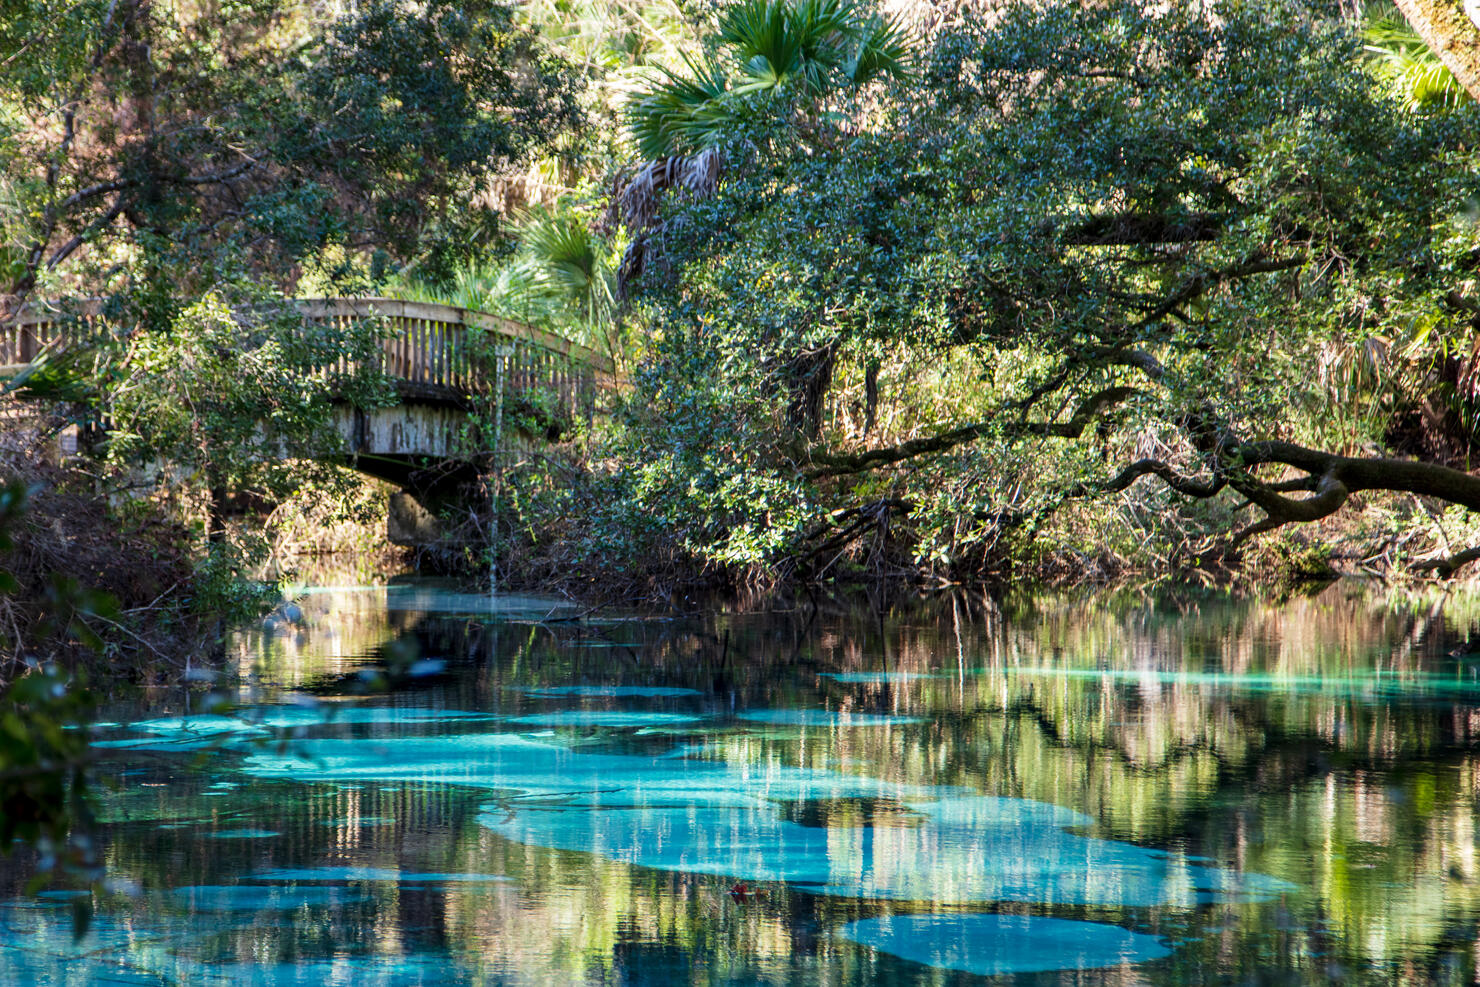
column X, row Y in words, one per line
column 824, row 465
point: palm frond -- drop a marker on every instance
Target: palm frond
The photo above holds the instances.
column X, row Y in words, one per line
column 777, row 41
column 568, row 261
column 676, row 113
column 884, row 47
column 1406, row 62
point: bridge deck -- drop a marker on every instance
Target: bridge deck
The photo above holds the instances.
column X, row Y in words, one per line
column 431, row 354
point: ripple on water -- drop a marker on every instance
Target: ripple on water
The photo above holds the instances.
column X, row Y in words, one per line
column 205, row 731
column 879, row 678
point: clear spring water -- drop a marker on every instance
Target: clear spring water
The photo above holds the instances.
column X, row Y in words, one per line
column 1119, row 789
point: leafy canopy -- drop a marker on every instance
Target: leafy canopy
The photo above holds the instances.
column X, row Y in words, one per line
column 1090, row 230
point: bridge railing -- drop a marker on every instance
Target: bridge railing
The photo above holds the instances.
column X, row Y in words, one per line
column 431, row 350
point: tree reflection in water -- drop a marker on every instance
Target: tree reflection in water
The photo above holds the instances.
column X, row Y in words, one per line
column 1328, row 741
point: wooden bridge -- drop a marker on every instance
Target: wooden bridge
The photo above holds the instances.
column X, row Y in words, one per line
column 433, row 356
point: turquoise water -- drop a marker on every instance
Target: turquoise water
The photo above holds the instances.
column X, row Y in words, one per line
column 950, row 790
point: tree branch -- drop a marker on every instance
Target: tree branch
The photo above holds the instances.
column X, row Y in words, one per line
column 1091, row 408
column 1449, row 565
column 1142, row 229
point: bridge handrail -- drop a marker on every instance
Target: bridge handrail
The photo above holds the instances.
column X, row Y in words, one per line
column 429, row 349
column 379, row 307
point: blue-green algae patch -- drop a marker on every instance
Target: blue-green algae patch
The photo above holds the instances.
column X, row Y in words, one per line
column 611, row 691
column 994, row 945
column 715, row 818
column 347, row 971
column 602, row 718
column 823, row 718
column 879, row 678
column 282, row 717
column 262, row 898
column 364, row 821
column 203, row 725
column 245, row 834
column 188, row 742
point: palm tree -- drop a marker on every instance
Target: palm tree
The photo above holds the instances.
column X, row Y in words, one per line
column 1406, row 62
column 763, row 46
column 572, row 268
column 810, row 48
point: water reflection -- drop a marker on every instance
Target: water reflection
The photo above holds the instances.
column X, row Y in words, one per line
column 1218, row 790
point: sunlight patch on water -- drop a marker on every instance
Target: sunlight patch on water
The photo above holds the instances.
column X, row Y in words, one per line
column 429, row 599
column 992, row 945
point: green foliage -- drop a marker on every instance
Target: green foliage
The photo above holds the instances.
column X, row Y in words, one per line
column 42, row 784
column 230, row 386
column 561, row 277
column 615, row 46
column 806, row 47
column 1186, row 205
column 1408, row 64
column 12, row 504
column 572, row 267
column 167, row 146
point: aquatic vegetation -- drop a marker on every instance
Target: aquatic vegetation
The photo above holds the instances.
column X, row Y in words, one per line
column 602, row 718
column 245, row 834
column 879, row 678
column 992, row 945
column 253, row 898
column 705, row 817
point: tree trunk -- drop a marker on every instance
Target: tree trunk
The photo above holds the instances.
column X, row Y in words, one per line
column 1448, row 30
column 810, row 377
